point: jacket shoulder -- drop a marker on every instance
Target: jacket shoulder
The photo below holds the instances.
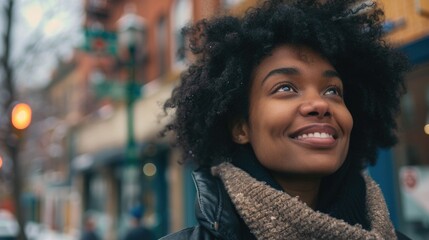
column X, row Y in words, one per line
column 192, row 233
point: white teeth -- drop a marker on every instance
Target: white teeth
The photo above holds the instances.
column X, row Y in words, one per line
column 315, row 135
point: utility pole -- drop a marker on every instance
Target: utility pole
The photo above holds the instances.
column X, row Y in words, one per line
column 13, row 141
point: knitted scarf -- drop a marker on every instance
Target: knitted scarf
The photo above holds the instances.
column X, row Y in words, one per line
column 273, row 214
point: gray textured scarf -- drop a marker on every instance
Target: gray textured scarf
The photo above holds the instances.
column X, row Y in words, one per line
column 273, row 214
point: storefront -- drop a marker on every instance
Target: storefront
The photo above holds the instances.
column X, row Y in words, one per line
column 110, row 187
column 413, row 152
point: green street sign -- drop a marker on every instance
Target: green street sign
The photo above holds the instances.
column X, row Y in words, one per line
column 100, row 41
column 116, row 90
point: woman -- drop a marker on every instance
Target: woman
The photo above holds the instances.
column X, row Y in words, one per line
column 281, row 112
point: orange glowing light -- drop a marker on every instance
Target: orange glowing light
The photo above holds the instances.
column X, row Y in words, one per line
column 21, row 116
column 426, row 129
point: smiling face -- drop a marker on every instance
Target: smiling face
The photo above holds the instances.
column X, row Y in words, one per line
column 298, row 122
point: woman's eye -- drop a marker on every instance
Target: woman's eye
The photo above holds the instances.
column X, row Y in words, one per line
column 334, row 91
column 285, row 88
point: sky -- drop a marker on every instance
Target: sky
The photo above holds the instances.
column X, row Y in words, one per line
column 43, row 32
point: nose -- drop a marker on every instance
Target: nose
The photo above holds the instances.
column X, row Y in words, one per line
column 316, row 107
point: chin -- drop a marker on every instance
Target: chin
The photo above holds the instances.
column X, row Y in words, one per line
column 323, row 170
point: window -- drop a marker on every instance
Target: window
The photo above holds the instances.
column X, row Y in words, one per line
column 161, row 33
column 231, row 3
column 182, row 15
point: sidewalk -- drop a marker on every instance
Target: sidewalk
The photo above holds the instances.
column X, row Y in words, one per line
column 52, row 235
column 39, row 232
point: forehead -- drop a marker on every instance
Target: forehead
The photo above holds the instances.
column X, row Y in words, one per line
column 294, row 52
column 288, row 55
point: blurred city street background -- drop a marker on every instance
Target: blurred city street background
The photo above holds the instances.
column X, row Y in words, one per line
column 82, row 83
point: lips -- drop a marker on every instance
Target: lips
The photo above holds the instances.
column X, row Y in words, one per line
column 318, row 135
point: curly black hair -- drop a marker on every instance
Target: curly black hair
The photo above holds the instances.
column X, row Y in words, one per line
column 348, row 33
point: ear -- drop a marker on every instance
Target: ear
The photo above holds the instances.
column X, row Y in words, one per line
column 240, row 132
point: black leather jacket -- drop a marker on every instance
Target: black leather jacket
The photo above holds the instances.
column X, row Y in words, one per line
column 216, row 215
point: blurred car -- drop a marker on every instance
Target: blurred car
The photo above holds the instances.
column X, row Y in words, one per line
column 8, row 225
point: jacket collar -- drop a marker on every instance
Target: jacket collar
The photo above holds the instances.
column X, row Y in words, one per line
column 214, row 210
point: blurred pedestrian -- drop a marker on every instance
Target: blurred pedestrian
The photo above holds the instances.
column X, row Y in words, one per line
column 89, row 231
column 266, row 113
column 137, row 230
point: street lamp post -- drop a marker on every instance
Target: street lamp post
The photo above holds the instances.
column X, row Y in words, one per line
column 131, row 33
column 20, row 119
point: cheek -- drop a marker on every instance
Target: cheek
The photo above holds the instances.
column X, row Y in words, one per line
column 269, row 122
column 347, row 126
column 345, row 120
column 349, row 122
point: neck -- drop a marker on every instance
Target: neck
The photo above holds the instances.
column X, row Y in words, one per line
column 305, row 188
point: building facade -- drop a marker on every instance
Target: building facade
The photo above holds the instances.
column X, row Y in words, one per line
column 407, row 25
column 112, row 157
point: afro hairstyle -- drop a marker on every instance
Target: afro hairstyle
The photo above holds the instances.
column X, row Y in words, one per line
column 214, row 90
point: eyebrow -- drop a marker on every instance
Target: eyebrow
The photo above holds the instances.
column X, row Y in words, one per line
column 281, row 71
column 331, row 74
column 295, row 71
